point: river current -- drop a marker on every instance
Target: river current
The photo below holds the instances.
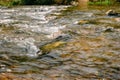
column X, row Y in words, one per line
column 59, row 43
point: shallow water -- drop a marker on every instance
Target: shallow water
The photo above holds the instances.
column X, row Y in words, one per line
column 90, row 43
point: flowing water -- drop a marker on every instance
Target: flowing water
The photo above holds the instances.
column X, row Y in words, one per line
column 59, row 43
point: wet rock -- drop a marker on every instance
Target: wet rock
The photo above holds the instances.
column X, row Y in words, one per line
column 48, row 47
column 55, row 43
column 52, row 55
column 109, row 30
column 112, row 13
column 64, row 37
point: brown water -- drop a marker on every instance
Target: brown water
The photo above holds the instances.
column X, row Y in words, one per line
column 87, row 47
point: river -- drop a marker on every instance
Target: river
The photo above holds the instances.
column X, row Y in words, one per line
column 59, row 43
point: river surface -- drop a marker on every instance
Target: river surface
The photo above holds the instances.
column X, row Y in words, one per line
column 59, row 43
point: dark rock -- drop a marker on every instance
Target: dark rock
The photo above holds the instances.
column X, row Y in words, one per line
column 109, row 30
column 112, row 13
column 64, row 37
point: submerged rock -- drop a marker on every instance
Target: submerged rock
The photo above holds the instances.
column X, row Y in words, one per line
column 48, row 47
column 55, row 43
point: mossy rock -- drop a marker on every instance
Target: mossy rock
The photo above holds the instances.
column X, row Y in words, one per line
column 50, row 46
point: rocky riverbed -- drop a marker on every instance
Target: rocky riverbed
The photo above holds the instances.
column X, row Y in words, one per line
column 59, row 43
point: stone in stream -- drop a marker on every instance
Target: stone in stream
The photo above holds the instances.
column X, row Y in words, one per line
column 112, row 13
column 63, row 37
column 53, row 44
column 109, row 29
